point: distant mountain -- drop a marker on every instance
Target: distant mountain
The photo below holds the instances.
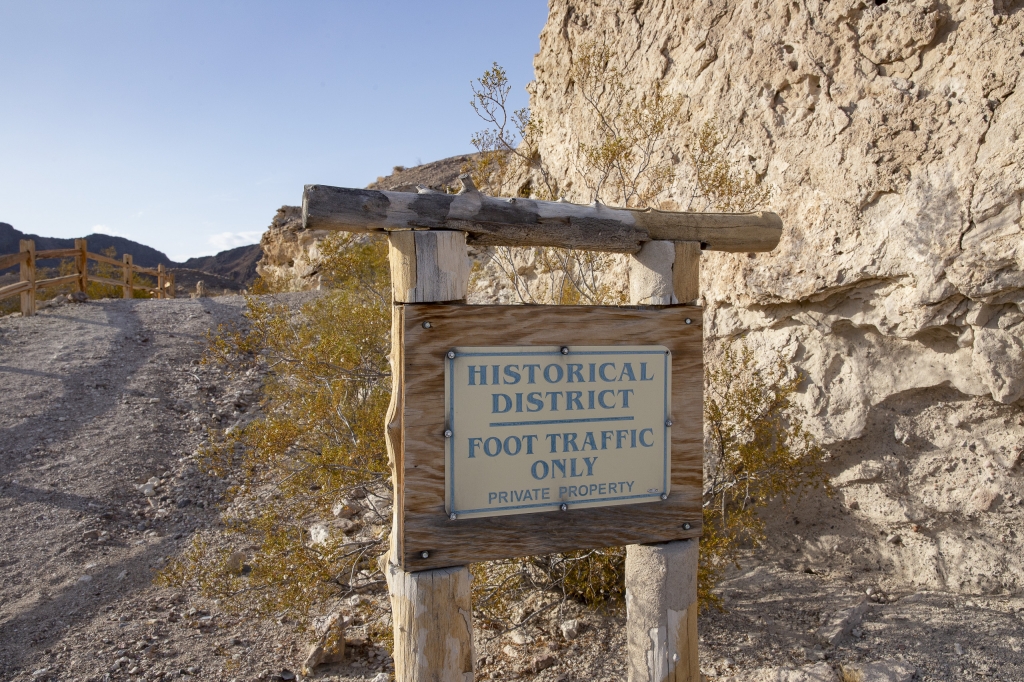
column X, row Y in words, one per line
column 237, row 264
column 231, row 269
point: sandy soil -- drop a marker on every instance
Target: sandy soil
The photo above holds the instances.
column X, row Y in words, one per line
column 99, row 398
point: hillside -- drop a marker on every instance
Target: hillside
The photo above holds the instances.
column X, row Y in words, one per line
column 233, row 269
column 437, row 175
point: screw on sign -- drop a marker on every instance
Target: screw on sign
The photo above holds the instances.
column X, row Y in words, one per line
column 547, row 410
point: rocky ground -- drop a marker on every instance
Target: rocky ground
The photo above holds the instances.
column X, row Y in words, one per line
column 105, row 401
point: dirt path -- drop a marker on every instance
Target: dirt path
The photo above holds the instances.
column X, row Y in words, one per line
column 99, row 398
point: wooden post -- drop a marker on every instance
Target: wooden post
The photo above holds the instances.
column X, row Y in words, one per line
column 661, row 580
column 433, row 617
column 127, row 276
column 664, row 273
column 170, row 287
column 82, row 265
column 432, row 610
column 686, row 271
column 661, row 612
column 160, row 281
column 428, row 266
column 28, row 274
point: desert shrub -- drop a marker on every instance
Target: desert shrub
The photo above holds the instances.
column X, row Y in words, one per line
column 757, row 452
column 718, row 184
column 317, row 441
column 629, row 163
column 511, row 592
column 850, row 674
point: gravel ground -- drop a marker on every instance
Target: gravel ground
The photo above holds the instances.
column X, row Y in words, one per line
column 99, row 398
column 102, row 397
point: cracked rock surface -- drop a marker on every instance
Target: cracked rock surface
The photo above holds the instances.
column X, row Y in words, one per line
column 891, row 132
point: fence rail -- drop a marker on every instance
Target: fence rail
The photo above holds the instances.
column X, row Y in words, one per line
column 28, row 285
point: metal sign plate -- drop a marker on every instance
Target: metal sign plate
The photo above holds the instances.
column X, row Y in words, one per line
column 541, row 428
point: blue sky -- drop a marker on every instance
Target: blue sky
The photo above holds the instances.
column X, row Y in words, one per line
column 185, row 125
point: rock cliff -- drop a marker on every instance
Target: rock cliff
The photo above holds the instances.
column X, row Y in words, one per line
column 290, row 252
column 892, row 134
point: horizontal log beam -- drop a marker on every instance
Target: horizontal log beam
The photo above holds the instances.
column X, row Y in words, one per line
column 56, row 281
column 56, row 253
column 11, row 259
column 492, row 221
column 14, row 289
column 736, row 232
column 105, row 259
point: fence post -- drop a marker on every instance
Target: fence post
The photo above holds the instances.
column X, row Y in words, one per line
column 28, row 274
column 82, row 265
column 160, row 280
column 661, row 580
column 432, row 610
column 127, row 276
column 171, row 293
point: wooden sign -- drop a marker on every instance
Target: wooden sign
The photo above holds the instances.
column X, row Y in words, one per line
column 472, row 480
column 425, row 534
column 544, row 428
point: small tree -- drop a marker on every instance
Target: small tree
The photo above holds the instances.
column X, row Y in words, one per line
column 630, row 164
column 508, row 162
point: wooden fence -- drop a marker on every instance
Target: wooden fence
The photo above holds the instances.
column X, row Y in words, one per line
column 29, row 285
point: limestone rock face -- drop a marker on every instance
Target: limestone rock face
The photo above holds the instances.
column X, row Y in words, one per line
column 892, row 134
column 290, row 252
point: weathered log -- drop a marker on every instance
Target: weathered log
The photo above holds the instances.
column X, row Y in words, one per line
column 11, row 259
column 28, row 274
column 650, row 274
column 661, row 579
column 661, row 612
column 55, row 281
column 686, row 271
column 433, row 616
column 82, row 265
column 16, row 288
column 736, row 232
column 492, row 221
column 128, row 275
